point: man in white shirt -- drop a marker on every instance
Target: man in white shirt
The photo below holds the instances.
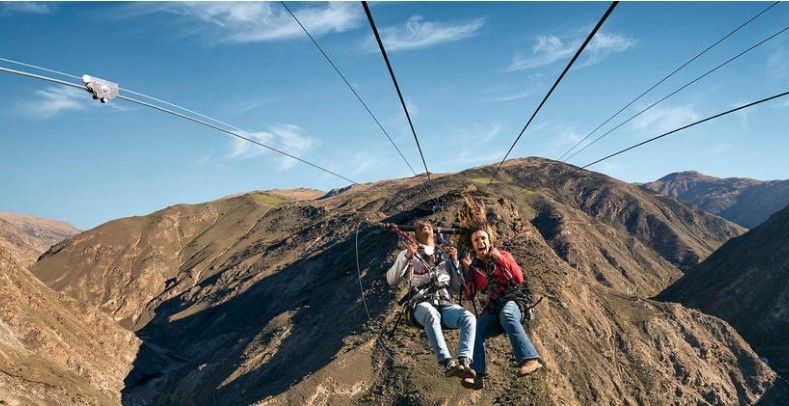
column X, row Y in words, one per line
column 431, row 275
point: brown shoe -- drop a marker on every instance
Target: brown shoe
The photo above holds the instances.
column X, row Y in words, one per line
column 528, row 366
column 473, row 383
column 465, row 369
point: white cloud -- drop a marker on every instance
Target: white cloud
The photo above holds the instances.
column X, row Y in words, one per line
column 548, row 49
column 661, row 119
column 52, row 100
column 243, row 22
column 204, row 159
column 603, row 45
column 287, row 138
column 419, row 33
column 469, row 145
column 26, row 7
column 509, row 97
column 778, row 63
column 361, row 161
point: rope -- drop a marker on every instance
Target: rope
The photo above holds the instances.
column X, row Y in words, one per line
column 667, row 77
column 686, row 126
column 192, row 119
column 556, row 83
column 348, row 84
column 752, row 47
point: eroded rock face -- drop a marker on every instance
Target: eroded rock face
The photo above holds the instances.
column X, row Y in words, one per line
column 250, row 300
column 744, row 201
column 27, row 237
column 746, row 282
column 54, row 350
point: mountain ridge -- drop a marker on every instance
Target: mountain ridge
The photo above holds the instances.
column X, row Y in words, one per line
column 744, row 201
column 254, row 299
column 27, row 237
column 747, row 276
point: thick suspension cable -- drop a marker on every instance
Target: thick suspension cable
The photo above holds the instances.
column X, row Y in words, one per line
column 347, row 83
column 185, row 117
column 397, row 87
column 744, row 106
column 559, row 79
column 703, row 75
column 659, row 82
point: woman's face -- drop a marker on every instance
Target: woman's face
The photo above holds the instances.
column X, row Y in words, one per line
column 481, row 243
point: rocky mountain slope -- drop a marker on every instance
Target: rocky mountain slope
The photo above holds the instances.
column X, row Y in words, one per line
column 746, row 282
column 255, row 298
column 744, row 201
column 27, row 237
column 54, row 350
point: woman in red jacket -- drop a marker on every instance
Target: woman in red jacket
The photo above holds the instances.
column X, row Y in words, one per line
column 494, row 277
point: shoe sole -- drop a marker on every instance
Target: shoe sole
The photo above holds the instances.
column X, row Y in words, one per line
column 471, row 385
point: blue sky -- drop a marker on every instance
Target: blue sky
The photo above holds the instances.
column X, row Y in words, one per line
column 471, row 73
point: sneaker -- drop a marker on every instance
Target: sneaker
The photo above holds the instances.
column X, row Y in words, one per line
column 528, row 366
column 451, row 368
column 475, row 383
column 466, row 371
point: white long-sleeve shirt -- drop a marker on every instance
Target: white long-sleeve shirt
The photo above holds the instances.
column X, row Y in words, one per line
column 415, row 272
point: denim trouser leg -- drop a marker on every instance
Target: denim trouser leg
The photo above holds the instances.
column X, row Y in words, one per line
column 430, row 318
column 522, row 347
column 487, row 326
column 456, row 316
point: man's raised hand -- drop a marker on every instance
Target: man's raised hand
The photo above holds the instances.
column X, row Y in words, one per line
column 452, row 252
column 410, row 249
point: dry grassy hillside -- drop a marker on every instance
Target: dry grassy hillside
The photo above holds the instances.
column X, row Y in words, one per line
column 54, row 350
column 27, row 237
column 746, row 282
column 255, row 298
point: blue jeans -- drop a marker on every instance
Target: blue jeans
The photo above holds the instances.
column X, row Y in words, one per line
column 509, row 321
column 454, row 316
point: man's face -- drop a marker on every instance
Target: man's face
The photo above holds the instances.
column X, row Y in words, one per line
column 481, row 243
column 424, row 232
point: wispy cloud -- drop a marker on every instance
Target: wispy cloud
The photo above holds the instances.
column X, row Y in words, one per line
column 470, row 145
column 52, row 100
column 509, row 97
column 26, row 7
column 662, row 119
column 548, row 49
column 204, row 159
column 362, row 161
column 419, row 33
column 778, row 63
column 243, row 22
column 288, row 138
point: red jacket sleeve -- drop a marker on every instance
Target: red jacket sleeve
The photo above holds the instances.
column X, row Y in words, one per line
column 507, row 262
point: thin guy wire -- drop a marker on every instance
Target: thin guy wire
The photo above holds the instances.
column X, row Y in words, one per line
column 192, row 119
column 347, row 83
column 678, row 90
column 658, row 83
column 686, row 126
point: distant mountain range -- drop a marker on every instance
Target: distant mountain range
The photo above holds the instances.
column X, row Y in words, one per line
column 27, row 237
column 746, row 282
column 744, row 201
column 255, row 298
